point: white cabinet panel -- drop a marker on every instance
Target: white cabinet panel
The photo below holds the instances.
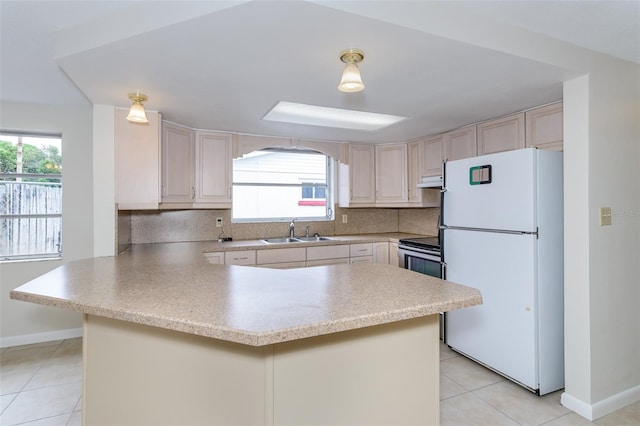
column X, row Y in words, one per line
column 362, row 249
column 433, row 154
column 391, row 174
column 137, row 162
column 177, row 164
column 381, row 253
column 502, row 134
column 216, row 258
column 328, row 252
column 362, row 259
column 213, row 169
column 325, row 262
column 293, row 254
column 544, row 128
column 357, row 179
column 240, row 257
column 461, row 143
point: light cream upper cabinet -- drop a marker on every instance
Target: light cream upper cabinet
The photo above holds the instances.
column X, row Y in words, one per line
column 137, row 162
column 357, row 179
column 213, row 170
column 178, row 156
column 461, row 143
column 502, row 134
column 432, row 154
column 391, row 174
column 544, row 127
column 419, row 197
column 196, row 168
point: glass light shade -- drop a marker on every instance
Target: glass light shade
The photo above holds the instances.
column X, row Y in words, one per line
column 137, row 114
column 351, row 80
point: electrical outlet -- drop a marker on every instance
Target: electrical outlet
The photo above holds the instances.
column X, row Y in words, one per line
column 344, row 218
column 605, row 216
column 218, row 222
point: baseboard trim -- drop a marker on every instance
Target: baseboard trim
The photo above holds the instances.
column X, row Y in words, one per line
column 28, row 339
column 601, row 408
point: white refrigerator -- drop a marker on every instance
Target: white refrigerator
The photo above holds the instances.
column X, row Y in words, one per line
column 502, row 225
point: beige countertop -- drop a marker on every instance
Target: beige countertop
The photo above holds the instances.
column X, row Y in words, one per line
column 215, row 246
column 173, row 287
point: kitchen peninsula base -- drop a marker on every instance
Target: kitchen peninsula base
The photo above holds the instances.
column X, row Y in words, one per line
column 141, row 375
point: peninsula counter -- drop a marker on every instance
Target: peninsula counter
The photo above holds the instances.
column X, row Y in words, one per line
column 171, row 339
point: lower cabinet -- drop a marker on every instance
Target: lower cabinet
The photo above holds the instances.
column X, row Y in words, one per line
column 327, row 255
column 381, row 253
column 300, row 257
column 393, row 254
column 215, row 258
column 243, row 258
column 325, row 262
column 284, row 258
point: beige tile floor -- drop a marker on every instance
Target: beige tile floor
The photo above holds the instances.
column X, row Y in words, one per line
column 41, row 385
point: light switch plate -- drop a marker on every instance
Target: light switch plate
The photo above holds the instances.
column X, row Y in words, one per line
column 605, row 216
column 344, row 218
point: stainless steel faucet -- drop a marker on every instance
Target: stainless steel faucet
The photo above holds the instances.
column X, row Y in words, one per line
column 307, row 231
column 292, row 228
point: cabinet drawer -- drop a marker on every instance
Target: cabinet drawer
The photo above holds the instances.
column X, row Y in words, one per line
column 328, row 252
column 284, row 265
column 216, row 258
column 293, row 254
column 324, row 262
column 245, row 257
column 364, row 249
column 362, row 259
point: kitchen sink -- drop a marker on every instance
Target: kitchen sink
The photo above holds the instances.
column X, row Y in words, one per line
column 294, row 240
column 311, row 239
column 280, row 240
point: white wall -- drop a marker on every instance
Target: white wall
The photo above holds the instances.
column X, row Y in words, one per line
column 25, row 322
column 602, row 169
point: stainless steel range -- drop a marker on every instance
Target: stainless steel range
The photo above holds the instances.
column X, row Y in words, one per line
column 423, row 255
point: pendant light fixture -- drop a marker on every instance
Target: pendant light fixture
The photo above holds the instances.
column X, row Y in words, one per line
column 351, row 80
column 136, row 112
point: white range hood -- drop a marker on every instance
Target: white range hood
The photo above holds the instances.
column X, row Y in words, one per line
column 431, row 182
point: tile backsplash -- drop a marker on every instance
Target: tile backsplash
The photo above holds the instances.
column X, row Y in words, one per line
column 200, row 225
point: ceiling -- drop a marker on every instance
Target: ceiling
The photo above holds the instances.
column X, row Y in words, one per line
column 223, row 65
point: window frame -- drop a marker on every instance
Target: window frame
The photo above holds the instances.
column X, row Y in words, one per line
column 329, row 189
column 57, row 176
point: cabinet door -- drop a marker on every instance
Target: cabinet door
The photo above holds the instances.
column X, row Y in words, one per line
column 324, row 262
column 213, row 169
column 137, row 162
column 461, row 143
column 381, row 253
column 393, row 254
column 432, row 156
column 361, row 174
column 177, row 164
column 503, row 134
column 414, row 159
column 328, row 252
column 240, row 257
column 362, row 249
column 216, row 258
column 283, row 255
column 544, row 127
column 391, row 174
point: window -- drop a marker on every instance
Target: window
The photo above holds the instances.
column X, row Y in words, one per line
column 30, row 196
column 280, row 184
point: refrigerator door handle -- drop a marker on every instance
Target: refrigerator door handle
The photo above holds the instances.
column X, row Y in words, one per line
column 497, row 231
